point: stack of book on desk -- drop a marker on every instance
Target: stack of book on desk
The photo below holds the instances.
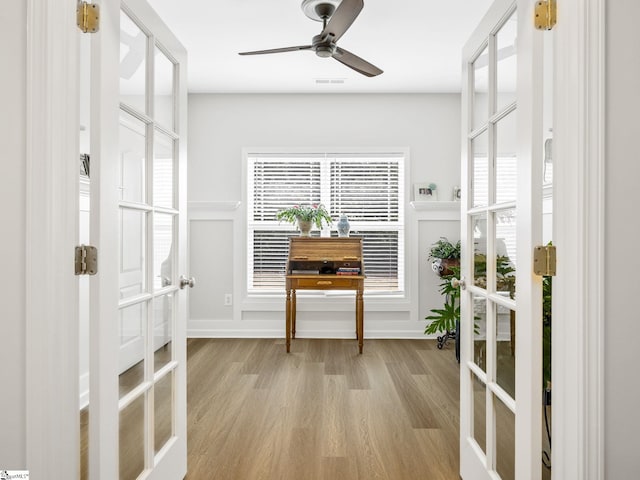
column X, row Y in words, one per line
column 348, row 271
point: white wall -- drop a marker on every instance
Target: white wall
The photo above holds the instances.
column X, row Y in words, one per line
column 12, row 237
column 622, row 327
column 221, row 125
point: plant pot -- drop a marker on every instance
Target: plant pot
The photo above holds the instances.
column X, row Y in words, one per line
column 305, row 227
column 442, row 266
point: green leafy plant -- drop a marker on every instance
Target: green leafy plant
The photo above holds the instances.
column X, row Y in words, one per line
column 315, row 213
column 444, row 319
column 444, row 249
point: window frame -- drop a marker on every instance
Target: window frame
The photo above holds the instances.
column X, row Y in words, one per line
column 248, row 225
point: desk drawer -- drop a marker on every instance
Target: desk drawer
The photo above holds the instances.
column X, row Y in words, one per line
column 327, row 283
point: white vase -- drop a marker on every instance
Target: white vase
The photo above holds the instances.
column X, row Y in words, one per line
column 343, row 226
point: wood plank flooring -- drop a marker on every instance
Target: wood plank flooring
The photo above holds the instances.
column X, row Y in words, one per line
column 322, row 411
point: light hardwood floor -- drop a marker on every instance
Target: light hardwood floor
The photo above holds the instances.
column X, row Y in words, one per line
column 322, row 411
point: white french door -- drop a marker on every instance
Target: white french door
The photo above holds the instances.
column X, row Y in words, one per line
column 501, row 303
column 137, row 413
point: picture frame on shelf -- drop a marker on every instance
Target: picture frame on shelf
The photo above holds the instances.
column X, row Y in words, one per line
column 457, row 194
column 425, row 192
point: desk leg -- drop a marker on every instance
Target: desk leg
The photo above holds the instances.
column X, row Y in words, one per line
column 357, row 327
column 288, row 321
column 360, row 319
column 293, row 314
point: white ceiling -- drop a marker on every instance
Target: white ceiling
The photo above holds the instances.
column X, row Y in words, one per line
column 416, row 42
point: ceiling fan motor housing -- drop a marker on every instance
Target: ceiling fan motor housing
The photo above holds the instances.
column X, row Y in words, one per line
column 324, row 48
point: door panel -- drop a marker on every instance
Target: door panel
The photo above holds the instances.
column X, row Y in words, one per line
column 499, row 404
column 138, row 366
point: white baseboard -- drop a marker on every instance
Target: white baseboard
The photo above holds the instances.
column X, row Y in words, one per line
column 210, row 328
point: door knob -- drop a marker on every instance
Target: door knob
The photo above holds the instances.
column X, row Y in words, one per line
column 184, row 282
column 455, row 283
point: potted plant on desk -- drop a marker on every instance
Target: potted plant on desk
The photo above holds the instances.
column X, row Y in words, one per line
column 305, row 217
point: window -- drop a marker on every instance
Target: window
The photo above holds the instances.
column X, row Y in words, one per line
column 367, row 187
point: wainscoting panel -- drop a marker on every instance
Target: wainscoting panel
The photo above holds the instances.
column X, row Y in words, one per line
column 217, row 247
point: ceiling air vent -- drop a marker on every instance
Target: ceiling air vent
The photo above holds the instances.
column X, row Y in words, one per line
column 329, row 81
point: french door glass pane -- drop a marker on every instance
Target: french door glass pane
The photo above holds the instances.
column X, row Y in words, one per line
column 480, row 181
column 505, row 242
column 132, row 252
column 163, row 252
column 547, row 167
column 505, row 440
column 480, row 250
column 479, row 412
column 481, row 89
column 131, row 447
column 163, row 101
column 162, row 330
column 133, row 65
column 480, row 331
column 163, row 170
column 506, row 70
column 506, row 161
column 132, row 158
column 505, row 324
column 132, row 343
column 163, row 411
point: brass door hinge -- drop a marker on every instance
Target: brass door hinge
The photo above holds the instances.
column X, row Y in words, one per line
column 88, row 17
column 545, row 14
column 544, row 261
column 86, row 260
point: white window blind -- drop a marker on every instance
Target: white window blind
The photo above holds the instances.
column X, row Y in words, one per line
column 368, row 188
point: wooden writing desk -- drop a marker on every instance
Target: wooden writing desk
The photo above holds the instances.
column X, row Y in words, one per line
column 324, row 264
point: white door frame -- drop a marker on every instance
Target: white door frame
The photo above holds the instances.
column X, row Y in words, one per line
column 51, row 224
column 578, row 232
column 51, row 323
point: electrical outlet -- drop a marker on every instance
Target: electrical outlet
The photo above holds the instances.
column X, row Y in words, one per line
column 228, row 299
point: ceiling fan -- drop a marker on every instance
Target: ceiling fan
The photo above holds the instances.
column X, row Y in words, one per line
column 336, row 17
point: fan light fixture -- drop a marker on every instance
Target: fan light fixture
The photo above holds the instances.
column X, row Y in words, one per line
column 336, row 17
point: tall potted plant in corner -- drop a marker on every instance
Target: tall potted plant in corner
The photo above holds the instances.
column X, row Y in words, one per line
column 305, row 217
column 445, row 261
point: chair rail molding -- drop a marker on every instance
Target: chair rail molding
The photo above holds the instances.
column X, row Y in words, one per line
column 200, row 210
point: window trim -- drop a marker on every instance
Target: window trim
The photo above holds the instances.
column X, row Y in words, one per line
column 404, row 292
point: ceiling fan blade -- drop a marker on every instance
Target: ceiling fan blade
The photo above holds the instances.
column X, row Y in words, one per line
column 356, row 63
column 342, row 18
column 278, row 50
